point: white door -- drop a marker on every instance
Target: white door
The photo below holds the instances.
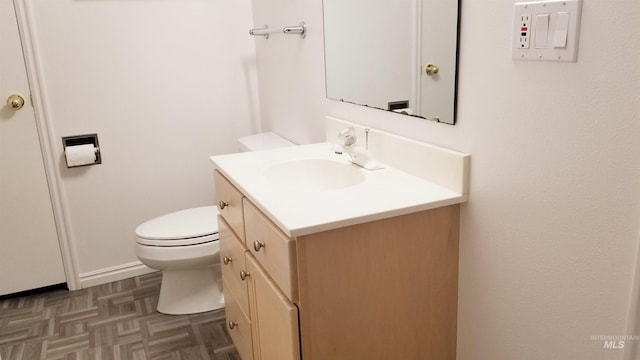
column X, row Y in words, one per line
column 438, row 48
column 29, row 250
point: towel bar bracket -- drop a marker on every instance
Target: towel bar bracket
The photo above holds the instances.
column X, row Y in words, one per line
column 301, row 29
column 264, row 31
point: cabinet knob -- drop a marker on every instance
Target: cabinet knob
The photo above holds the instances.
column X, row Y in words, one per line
column 222, row 204
column 257, row 245
column 232, row 324
column 226, row 260
column 244, row 274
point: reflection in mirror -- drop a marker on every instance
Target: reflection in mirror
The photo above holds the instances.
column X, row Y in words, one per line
column 397, row 55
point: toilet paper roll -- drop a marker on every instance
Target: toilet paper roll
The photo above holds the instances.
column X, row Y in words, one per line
column 80, row 154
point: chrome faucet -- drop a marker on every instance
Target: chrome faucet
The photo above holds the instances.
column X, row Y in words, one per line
column 359, row 156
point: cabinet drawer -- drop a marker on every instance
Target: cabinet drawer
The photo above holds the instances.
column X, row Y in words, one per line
column 274, row 250
column 233, row 262
column 229, row 203
column 238, row 325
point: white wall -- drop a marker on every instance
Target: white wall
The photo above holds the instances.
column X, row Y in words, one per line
column 550, row 234
column 164, row 84
column 632, row 348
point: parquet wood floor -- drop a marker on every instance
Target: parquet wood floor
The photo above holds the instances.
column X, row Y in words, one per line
column 115, row 321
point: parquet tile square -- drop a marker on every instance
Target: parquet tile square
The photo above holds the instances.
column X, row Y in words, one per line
column 115, row 321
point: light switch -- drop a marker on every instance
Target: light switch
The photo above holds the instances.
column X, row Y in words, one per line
column 542, row 30
column 562, row 30
column 546, row 30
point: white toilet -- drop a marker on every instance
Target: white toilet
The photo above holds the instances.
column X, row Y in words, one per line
column 184, row 245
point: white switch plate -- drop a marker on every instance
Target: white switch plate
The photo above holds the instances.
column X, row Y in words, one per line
column 553, row 49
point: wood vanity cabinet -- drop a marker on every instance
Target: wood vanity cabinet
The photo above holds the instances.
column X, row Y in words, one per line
column 385, row 289
column 261, row 319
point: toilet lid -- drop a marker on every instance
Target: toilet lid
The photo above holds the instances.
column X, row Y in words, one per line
column 183, row 224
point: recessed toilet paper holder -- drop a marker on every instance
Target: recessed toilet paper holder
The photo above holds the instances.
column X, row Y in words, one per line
column 86, row 139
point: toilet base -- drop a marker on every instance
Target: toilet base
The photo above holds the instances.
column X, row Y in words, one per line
column 190, row 291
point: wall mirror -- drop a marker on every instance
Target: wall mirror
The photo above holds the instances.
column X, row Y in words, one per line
column 394, row 55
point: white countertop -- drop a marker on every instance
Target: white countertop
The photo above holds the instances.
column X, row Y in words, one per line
column 298, row 211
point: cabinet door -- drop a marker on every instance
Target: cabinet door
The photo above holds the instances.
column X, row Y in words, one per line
column 274, row 318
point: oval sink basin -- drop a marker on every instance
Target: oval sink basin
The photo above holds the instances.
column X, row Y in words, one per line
column 314, row 174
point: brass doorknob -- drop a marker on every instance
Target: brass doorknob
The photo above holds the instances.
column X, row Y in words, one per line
column 431, row 69
column 15, row 102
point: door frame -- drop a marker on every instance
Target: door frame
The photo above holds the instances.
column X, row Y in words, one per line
column 46, row 138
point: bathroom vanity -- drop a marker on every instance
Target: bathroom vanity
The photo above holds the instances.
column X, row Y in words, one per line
column 343, row 267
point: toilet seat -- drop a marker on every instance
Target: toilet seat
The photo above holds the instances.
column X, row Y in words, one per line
column 180, row 228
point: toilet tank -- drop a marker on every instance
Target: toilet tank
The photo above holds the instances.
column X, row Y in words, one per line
column 263, row 141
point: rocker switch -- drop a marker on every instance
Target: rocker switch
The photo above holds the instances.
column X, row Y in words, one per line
column 541, row 30
column 562, row 30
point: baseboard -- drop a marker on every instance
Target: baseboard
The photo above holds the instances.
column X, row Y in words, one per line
column 113, row 273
